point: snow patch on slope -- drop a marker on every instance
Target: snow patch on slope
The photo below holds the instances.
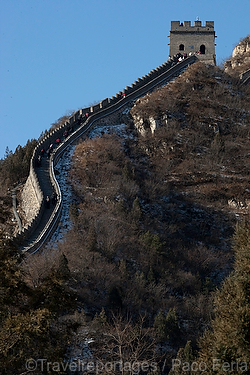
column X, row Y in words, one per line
column 62, row 171
column 120, row 130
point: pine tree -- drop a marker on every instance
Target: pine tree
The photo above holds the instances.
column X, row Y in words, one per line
column 229, row 339
column 103, row 317
column 172, row 326
column 12, row 287
column 28, row 318
column 127, row 171
column 167, row 327
column 183, row 363
column 152, row 242
column 63, row 269
column 188, row 352
column 160, row 326
column 8, row 152
column 100, row 321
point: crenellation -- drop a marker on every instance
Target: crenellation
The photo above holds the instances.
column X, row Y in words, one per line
column 198, row 39
column 209, row 24
column 32, row 195
column 197, row 23
column 186, row 26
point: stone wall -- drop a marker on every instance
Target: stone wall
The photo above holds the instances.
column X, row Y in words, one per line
column 30, row 203
column 245, row 77
column 110, row 110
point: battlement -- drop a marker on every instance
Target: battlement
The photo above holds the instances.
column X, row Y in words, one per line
column 186, row 26
column 196, row 39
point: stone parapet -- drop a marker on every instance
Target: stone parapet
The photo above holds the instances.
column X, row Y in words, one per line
column 33, row 197
column 245, row 76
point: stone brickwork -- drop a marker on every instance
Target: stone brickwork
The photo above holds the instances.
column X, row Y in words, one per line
column 108, row 110
column 197, row 39
column 30, row 203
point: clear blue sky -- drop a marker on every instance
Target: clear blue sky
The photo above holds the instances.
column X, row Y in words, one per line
column 61, row 55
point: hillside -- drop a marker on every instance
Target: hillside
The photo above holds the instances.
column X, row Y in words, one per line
column 153, row 214
column 156, row 212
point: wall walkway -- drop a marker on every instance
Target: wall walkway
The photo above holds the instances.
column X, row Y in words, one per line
column 42, row 182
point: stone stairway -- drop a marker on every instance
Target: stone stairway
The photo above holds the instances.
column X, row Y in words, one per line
column 51, row 216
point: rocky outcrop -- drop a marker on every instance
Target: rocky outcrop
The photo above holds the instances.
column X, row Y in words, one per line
column 143, row 125
column 239, row 204
column 149, row 123
column 240, row 60
column 242, row 48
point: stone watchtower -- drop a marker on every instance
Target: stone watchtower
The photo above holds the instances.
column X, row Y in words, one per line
column 197, row 39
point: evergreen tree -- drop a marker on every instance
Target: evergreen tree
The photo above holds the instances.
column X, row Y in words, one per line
column 8, row 152
column 103, row 317
column 160, row 326
column 188, row 352
column 63, row 269
column 29, row 324
column 15, row 166
column 172, row 326
column 229, row 339
column 12, row 287
column 183, row 363
column 167, row 327
column 152, row 242
column 127, row 171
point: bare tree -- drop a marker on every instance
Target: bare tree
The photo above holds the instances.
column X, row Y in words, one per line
column 125, row 346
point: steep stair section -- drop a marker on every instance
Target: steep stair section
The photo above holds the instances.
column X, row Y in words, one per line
column 81, row 125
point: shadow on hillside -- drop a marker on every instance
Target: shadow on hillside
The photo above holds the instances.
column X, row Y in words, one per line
column 188, row 226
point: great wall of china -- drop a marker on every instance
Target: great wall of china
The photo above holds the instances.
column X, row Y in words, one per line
column 42, row 181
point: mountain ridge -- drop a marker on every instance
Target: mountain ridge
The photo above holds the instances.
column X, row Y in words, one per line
column 153, row 216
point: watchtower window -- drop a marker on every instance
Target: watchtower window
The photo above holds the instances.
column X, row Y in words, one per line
column 181, row 47
column 202, row 49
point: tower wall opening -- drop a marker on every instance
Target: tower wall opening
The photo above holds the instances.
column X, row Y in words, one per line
column 197, row 39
